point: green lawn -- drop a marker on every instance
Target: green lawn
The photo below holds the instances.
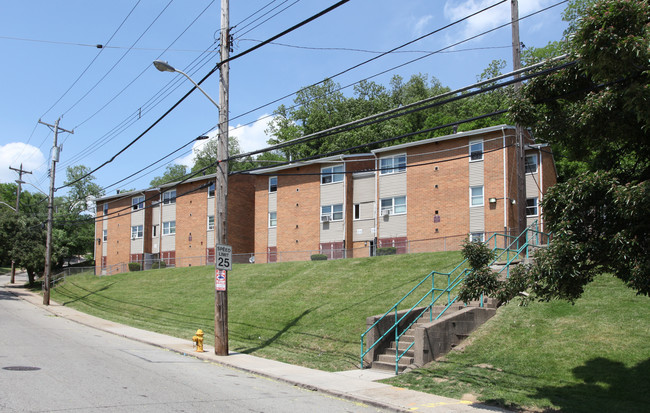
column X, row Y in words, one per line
column 306, row 313
column 593, row 356
column 5, row 270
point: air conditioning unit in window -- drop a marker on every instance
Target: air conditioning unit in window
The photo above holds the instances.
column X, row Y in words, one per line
column 385, row 212
column 325, row 218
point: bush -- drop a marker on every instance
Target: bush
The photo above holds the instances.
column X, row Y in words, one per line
column 477, row 254
column 134, row 266
column 319, row 257
column 387, row 251
column 158, row 264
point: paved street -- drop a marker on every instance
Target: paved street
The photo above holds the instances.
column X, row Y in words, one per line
column 48, row 363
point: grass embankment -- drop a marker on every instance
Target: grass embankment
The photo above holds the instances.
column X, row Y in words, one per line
column 593, row 356
column 306, row 313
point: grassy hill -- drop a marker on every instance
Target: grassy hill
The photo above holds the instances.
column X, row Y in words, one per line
column 587, row 357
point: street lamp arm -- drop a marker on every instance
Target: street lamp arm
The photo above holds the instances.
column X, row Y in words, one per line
column 199, row 87
column 166, row 67
column 12, row 208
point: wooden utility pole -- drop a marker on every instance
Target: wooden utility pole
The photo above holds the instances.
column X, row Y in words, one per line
column 20, row 181
column 221, row 187
column 50, row 211
column 520, row 154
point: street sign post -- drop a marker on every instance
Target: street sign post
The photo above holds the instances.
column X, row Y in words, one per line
column 224, row 257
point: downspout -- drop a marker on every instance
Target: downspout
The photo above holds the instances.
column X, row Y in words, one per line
column 505, row 198
column 376, row 214
column 541, row 190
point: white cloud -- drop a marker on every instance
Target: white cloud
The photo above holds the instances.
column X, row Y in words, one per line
column 421, row 24
column 250, row 137
column 493, row 17
column 15, row 153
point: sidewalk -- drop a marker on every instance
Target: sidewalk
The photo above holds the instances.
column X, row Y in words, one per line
column 355, row 385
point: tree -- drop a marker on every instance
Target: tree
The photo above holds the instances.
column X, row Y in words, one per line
column 172, row 173
column 82, row 189
column 205, row 160
column 597, row 113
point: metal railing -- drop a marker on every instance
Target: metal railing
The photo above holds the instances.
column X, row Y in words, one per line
column 505, row 245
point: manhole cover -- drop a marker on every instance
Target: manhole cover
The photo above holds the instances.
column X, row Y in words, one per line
column 21, row 368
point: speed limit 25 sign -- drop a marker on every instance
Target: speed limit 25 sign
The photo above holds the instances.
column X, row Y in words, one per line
column 224, row 257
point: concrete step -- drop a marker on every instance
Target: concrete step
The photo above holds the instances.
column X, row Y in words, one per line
column 379, row 365
column 388, row 359
column 391, row 352
column 402, row 346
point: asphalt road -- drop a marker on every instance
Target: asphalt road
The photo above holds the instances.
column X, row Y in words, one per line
column 50, row 364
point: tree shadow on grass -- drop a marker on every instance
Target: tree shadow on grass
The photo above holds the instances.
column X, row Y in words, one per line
column 277, row 335
column 607, row 386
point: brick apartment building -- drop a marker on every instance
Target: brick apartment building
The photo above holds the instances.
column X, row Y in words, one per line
column 417, row 197
column 421, row 196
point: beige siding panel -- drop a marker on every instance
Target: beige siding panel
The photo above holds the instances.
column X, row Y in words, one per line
column 532, row 181
column 477, row 219
column 137, row 218
column 104, row 243
column 364, row 189
column 367, row 210
column 362, row 230
column 155, row 245
column 137, row 246
column 392, row 226
column 169, row 213
column 332, row 231
column 210, row 239
column 211, row 204
column 273, row 235
column 168, row 243
column 391, row 185
column 155, row 215
column 273, row 201
column 332, row 194
column 476, row 173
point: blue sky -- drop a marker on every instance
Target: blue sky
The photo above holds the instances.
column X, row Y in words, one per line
column 46, row 46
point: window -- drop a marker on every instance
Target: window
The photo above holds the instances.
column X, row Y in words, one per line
column 531, row 207
column 357, row 211
column 476, row 196
column 477, row 237
column 273, row 184
column 331, row 175
column 211, row 190
column 137, row 202
column 169, row 228
column 105, row 235
column 394, row 206
column 392, row 164
column 154, row 230
column 169, row 197
column 333, row 212
column 530, row 164
column 210, row 222
column 106, row 208
column 273, row 219
column 137, row 231
column 476, row 151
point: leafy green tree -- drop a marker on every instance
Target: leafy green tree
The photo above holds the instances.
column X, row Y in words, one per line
column 597, row 112
column 172, row 173
column 206, row 159
column 81, row 190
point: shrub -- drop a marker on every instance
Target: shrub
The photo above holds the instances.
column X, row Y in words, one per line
column 387, row 251
column 158, row 264
column 134, row 266
column 477, row 254
column 318, row 257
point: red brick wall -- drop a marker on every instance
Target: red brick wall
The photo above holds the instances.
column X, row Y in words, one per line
column 191, row 223
column 261, row 226
column 241, row 214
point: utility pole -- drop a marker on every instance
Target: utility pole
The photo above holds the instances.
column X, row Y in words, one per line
column 50, row 211
column 20, row 181
column 221, row 186
column 520, row 155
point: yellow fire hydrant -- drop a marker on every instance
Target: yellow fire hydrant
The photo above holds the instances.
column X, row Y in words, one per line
column 198, row 340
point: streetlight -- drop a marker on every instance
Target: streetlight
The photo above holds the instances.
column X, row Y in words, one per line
column 221, row 185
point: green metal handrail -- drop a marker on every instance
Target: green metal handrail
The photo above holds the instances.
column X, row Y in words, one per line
column 451, row 285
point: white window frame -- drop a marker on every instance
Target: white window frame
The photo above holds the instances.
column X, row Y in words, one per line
column 334, row 212
column 474, row 235
column 527, row 164
column 169, row 228
column 137, row 202
column 169, row 197
column 211, row 190
column 332, row 174
column 472, row 151
column 273, row 187
column 105, row 235
column 395, row 205
column 273, row 219
column 137, row 231
column 153, row 230
column 356, row 212
column 473, row 196
column 535, row 207
column 392, row 164
column 105, row 208
column 210, row 222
